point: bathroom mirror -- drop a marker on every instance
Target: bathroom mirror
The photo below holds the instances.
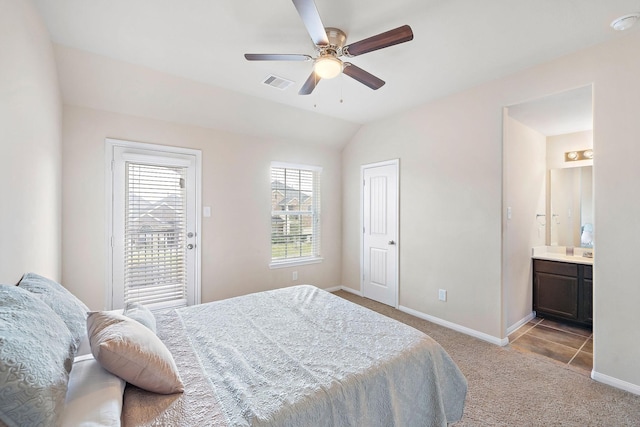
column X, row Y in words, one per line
column 570, row 209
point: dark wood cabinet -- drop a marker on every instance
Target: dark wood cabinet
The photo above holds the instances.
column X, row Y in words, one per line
column 563, row 290
column 587, row 295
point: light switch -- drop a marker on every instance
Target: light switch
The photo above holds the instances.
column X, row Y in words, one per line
column 206, row 211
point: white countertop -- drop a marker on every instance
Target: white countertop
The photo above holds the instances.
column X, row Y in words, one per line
column 556, row 253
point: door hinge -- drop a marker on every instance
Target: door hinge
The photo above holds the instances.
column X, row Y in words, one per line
column 111, row 241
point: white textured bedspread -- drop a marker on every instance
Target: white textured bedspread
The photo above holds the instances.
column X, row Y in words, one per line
column 299, row 357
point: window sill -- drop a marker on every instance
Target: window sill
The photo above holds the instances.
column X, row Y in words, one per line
column 295, row 262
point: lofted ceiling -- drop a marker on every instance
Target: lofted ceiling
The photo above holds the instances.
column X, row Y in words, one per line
column 457, row 44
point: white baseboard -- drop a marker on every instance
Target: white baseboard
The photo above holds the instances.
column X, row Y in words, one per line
column 511, row 329
column 351, row 291
column 335, row 288
column 615, row 382
column 463, row 329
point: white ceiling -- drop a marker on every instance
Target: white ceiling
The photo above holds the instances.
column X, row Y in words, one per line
column 557, row 114
column 457, row 43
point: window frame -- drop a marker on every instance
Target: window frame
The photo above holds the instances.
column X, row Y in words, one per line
column 315, row 215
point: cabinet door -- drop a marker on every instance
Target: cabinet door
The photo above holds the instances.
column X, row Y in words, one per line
column 556, row 295
column 587, row 301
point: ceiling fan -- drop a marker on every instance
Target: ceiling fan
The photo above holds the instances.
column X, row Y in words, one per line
column 330, row 46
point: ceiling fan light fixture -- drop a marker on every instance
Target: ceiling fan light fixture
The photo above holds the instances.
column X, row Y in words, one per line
column 327, row 67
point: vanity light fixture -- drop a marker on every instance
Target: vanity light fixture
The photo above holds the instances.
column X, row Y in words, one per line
column 574, row 156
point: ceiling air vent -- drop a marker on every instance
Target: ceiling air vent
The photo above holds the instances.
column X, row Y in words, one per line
column 277, row 82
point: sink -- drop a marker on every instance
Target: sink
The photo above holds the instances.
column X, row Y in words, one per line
column 555, row 253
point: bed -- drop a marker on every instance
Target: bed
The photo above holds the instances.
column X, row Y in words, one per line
column 295, row 356
column 299, row 356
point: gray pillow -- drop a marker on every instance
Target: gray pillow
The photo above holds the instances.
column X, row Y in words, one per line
column 70, row 309
column 141, row 314
column 36, row 354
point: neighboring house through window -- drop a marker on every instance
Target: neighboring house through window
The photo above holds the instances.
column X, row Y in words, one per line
column 295, row 214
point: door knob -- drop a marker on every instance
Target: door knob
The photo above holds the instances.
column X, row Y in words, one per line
column 189, row 234
column 190, row 246
column 391, row 242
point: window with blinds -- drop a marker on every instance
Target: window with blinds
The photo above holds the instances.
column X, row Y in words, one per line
column 295, row 213
column 155, row 271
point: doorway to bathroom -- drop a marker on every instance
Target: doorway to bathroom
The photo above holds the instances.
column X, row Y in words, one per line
column 547, row 204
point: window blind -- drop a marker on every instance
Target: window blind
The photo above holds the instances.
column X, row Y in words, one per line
column 295, row 207
column 155, row 272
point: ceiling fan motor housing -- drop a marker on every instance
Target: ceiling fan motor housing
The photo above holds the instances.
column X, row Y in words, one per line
column 337, row 39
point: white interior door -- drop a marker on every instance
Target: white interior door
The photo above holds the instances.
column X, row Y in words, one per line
column 380, row 232
column 154, row 243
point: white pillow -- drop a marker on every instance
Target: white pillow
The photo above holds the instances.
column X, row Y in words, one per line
column 133, row 352
column 84, row 347
column 94, row 396
column 142, row 314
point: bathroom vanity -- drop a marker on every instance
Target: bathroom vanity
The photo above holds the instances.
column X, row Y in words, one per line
column 563, row 287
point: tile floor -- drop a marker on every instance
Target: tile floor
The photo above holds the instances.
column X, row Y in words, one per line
column 565, row 343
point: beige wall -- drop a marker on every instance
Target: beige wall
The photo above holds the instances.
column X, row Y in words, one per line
column 524, row 159
column 30, row 120
column 450, row 203
column 235, row 183
column 102, row 83
column 451, row 198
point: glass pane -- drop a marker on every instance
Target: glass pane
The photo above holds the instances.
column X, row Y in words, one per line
column 155, row 222
column 292, row 231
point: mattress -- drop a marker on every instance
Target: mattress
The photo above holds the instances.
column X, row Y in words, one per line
column 299, row 356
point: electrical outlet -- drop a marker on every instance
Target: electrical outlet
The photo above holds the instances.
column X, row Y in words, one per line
column 442, row 295
column 294, row 276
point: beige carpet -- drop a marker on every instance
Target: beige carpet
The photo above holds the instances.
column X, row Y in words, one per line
column 509, row 388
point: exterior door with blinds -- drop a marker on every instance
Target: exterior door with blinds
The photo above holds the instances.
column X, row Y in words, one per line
column 154, row 239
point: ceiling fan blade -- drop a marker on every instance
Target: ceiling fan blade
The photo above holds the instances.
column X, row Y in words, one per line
column 382, row 40
column 311, row 19
column 276, row 57
column 310, row 84
column 362, row 76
